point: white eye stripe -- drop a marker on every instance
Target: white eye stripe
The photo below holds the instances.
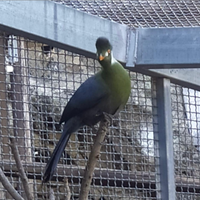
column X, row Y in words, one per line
column 106, row 54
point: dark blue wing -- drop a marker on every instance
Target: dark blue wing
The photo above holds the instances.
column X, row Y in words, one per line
column 89, row 94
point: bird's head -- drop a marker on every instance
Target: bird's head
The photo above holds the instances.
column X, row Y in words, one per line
column 104, row 50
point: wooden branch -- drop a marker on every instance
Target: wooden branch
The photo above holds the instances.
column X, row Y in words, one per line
column 7, row 185
column 20, row 169
column 51, row 194
column 68, row 195
column 94, row 156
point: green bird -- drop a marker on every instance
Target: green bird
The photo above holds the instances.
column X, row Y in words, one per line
column 105, row 92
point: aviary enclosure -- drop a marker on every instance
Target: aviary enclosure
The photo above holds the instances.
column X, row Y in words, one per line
column 47, row 49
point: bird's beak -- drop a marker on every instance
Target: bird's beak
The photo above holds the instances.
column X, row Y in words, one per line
column 101, row 57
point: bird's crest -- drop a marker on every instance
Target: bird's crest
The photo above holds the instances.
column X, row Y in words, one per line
column 103, row 43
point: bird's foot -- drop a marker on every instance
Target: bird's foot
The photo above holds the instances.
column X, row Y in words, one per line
column 107, row 117
column 94, row 130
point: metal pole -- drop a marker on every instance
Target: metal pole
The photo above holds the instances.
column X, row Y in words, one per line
column 163, row 138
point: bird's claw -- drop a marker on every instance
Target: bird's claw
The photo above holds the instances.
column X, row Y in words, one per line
column 107, row 117
column 94, row 130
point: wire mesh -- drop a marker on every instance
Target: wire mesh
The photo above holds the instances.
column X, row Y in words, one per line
column 142, row 13
column 37, row 81
column 185, row 105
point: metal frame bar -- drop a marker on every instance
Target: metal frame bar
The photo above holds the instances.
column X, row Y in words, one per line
column 136, row 179
column 168, row 48
column 163, row 138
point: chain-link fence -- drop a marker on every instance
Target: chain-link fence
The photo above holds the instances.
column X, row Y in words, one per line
column 36, row 82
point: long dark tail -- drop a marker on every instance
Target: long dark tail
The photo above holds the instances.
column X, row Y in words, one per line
column 70, row 126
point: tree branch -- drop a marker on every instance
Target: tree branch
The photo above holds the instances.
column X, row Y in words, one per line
column 51, row 194
column 20, row 169
column 68, row 195
column 7, row 185
column 94, row 156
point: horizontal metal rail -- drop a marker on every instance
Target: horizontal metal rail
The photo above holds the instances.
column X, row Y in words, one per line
column 105, row 177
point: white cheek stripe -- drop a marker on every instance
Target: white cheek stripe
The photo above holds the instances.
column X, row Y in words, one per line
column 112, row 59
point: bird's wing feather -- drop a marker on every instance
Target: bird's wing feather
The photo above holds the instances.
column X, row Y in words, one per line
column 89, row 94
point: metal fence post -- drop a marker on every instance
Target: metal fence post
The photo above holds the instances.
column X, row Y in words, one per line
column 163, row 137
